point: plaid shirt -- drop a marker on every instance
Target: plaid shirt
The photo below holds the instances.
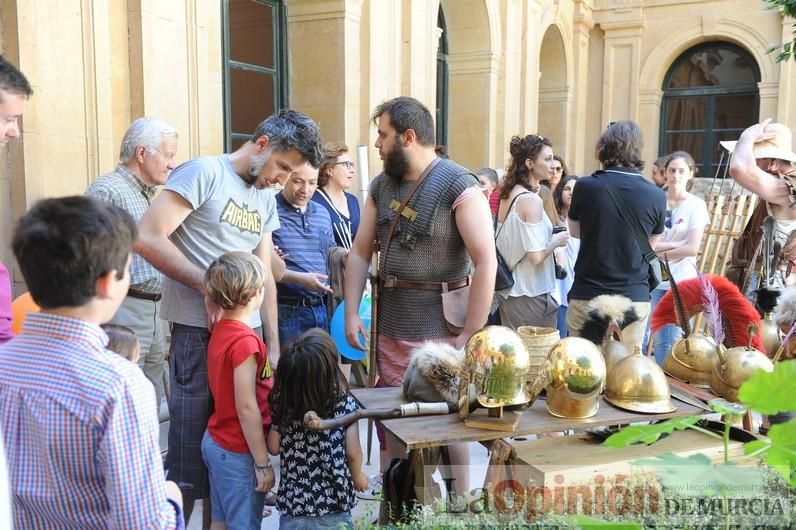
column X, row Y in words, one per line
column 126, row 190
column 80, row 431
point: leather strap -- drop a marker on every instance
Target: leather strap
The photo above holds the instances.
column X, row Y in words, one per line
column 390, row 283
column 629, row 217
column 397, row 213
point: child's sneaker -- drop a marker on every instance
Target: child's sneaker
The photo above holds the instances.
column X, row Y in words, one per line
column 373, row 491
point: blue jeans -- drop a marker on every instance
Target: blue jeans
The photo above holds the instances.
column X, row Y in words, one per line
column 665, row 337
column 295, row 320
column 232, row 497
column 563, row 331
column 330, row 520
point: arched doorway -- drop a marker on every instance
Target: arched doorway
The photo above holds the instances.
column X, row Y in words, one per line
column 553, row 91
column 710, row 94
column 442, row 80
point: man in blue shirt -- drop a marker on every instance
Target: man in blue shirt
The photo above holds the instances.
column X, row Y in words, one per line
column 304, row 237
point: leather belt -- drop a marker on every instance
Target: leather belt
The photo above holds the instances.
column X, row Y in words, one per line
column 152, row 297
column 390, row 283
column 303, row 302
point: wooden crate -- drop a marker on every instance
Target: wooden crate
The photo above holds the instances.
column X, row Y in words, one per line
column 576, row 460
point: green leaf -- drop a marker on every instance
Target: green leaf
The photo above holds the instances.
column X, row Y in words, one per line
column 725, row 407
column 648, row 433
column 697, row 476
column 771, row 392
column 782, row 453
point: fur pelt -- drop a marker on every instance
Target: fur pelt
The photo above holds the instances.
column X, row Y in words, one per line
column 785, row 312
column 602, row 310
column 433, row 374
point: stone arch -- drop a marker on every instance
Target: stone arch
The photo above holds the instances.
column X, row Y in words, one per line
column 474, row 37
column 555, row 93
column 656, row 64
column 664, row 53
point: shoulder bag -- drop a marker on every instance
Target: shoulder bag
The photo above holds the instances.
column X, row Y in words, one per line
column 630, row 219
column 504, row 278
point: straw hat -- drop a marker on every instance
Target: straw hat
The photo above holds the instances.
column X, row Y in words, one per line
column 779, row 147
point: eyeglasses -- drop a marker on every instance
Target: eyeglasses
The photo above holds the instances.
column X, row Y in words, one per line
column 348, row 164
column 668, row 223
column 558, row 169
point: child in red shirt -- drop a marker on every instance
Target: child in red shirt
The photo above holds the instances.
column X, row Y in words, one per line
column 239, row 376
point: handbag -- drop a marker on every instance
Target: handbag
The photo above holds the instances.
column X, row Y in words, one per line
column 504, row 278
column 629, row 217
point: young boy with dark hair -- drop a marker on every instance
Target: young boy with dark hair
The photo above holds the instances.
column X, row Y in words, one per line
column 79, row 422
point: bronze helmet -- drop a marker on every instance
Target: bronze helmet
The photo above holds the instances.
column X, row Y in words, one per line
column 638, row 384
column 735, row 366
column 613, row 348
column 576, row 371
column 497, row 362
column 692, row 358
column 770, row 333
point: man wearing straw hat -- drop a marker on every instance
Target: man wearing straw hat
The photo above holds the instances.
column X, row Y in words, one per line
column 762, row 161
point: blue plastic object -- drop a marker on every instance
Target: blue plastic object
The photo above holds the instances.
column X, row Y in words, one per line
column 338, row 330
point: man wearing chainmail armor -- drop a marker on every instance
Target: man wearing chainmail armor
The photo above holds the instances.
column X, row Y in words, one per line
column 442, row 241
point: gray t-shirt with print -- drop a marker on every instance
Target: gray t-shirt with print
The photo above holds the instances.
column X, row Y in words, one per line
column 227, row 215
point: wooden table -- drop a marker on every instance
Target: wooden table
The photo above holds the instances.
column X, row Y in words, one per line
column 435, row 431
column 424, row 435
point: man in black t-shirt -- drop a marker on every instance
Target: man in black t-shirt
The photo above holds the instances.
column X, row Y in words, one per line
column 610, row 260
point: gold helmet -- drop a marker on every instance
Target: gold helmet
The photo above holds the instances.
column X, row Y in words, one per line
column 497, row 363
column 692, row 358
column 770, row 334
column 613, row 348
column 735, row 366
column 638, row 384
column 576, row 369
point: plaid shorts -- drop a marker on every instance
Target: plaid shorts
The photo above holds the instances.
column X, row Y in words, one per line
column 190, row 406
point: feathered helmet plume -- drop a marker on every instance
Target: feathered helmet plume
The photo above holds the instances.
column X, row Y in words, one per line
column 726, row 309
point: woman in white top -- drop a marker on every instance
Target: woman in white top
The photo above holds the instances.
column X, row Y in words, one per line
column 686, row 219
column 525, row 237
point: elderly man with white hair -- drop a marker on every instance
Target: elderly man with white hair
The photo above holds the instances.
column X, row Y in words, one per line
column 146, row 158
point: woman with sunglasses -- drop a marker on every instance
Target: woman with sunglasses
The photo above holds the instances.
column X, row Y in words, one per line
column 686, row 219
column 335, row 176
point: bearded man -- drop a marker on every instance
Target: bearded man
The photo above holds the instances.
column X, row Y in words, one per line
column 440, row 241
column 210, row 206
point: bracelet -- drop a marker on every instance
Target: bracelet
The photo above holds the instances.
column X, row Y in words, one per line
column 263, row 467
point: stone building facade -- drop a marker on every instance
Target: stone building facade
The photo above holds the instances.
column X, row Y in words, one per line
column 690, row 72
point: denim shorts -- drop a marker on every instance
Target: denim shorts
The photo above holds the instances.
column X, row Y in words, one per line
column 232, row 497
column 337, row 520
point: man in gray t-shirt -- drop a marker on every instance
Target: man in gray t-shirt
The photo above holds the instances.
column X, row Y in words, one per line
column 211, row 206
